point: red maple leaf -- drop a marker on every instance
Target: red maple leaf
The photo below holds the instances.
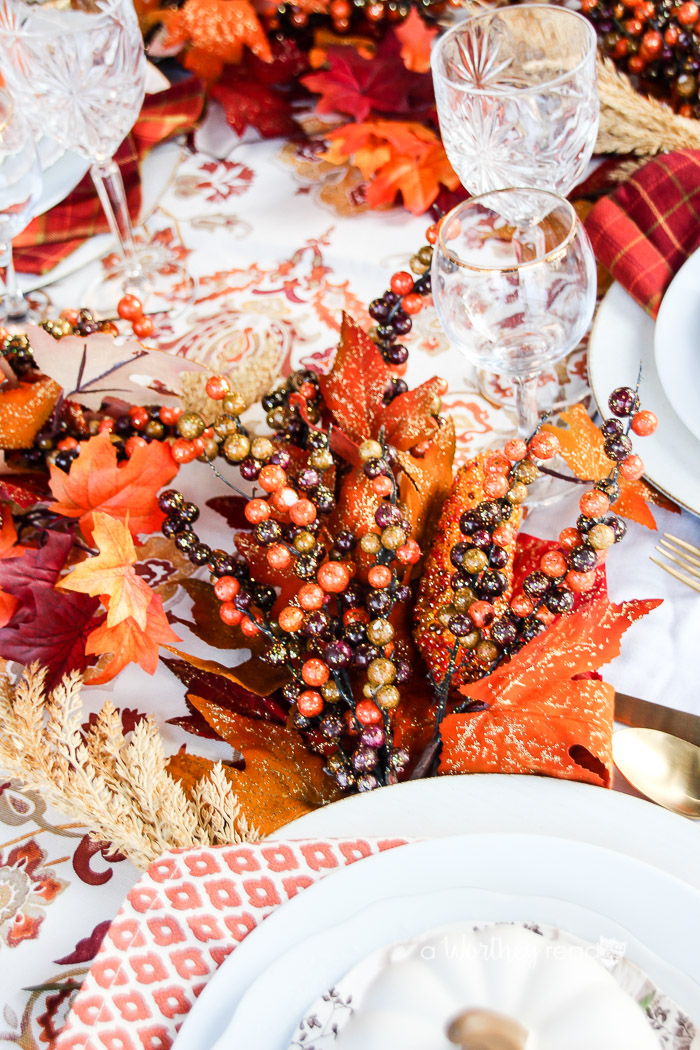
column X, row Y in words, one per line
column 250, row 103
column 356, row 85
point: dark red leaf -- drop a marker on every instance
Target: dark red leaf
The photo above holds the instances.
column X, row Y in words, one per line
column 248, row 103
column 88, row 948
column 24, row 489
column 38, row 568
column 227, row 694
column 232, row 509
column 288, row 62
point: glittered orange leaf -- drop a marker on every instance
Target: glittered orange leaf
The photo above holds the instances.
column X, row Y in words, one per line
column 281, row 780
column 97, row 482
column 543, row 716
column 426, row 480
column 582, row 448
column 217, row 30
column 416, row 38
column 255, row 675
column 129, row 643
column 111, row 574
column 354, row 388
column 23, row 411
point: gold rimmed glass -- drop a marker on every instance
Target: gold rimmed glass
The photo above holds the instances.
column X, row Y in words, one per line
column 514, row 284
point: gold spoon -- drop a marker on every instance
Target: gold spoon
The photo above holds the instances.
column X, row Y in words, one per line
column 480, row 1029
column 663, row 767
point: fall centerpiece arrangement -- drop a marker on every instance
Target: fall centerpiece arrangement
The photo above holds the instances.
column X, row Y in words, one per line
column 398, row 621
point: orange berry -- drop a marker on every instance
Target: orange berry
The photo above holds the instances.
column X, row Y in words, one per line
column 184, row 451
column 409, row 554
column 333, row 576
column 129, row 308
column 106, row 426
column 143, row 327
column 481, row 613
column 401, row 283
column 515, row 450
column 230, row 614
column 302, row 512
column 632, row 468
column 310, row 703
column 355, row 616
column 310, row 596
column 71, row 316
column 521, row 605
column 249, row 627
column 412, row 304
column 257, row 510
column 307, row 391
column 544, row 445
column 278, row 557
column 314, row 672
column 452, row 230
column 131, row 444
column 69, row 442
column 226, row 588
column 284, row 499
column 553, row 563
column 503, row 535
column 579, row 582
column 644, row 423
column 379, row 576
column 382, row 486
column 431, row 234
column 570, row 538
column 169, row 415
column 545, row 616
column 367, row 713
column 138, row 417
column 272, row 477
column 496, row 463
column 594, row 503
column 495, row 486
column 687, row 13
column 291, row 618
column 636, row 64
column 217, row 387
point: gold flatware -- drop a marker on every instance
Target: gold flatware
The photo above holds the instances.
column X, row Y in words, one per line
column 681, row 553
column 647, row 715
column 480, row 1029
column 663, row 767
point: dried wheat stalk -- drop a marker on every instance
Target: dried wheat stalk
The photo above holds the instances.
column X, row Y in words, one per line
column 120, row 790
column 632, row 123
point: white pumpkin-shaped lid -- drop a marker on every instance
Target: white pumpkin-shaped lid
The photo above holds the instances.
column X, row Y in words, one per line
column 498, row 988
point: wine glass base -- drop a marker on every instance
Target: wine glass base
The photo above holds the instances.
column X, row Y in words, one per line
column 163, row 285
column 557, row 390
column 38, row 306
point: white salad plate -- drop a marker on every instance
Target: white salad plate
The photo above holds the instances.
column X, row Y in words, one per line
column 315, row 938
column 677, row 343
column 480, row 803
column 623, row 339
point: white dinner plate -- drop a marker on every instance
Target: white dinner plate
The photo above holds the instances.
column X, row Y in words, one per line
column 621, row 340
column 59, row 179
column 483, row 803
column 677, row 343
column 557, row 872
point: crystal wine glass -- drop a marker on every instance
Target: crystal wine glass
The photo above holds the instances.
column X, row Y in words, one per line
column 78, row 67
column 514, row 297
column 20, row 189
column 517, row 97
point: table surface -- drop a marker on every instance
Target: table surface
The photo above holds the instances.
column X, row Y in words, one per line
column 280, row 246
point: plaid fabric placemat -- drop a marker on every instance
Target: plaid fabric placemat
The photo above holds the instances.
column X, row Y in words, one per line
column 650, row 225
column 51, row 237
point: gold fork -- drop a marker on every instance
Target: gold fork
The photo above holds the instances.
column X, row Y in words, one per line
column 682, row 553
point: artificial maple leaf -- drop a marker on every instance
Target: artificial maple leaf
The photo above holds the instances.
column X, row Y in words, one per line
column 354, row 394
column 395, row 157
column 96, row 482
column 111, row 574
column 9, row 548
column 262, row 572
column 248, row 103
column 415, row 38
column 582, row 448
column 356, row 85
column 232, row 509
column 218, row 30
column 24, row 409
column 325, row 38
column 282, row 780
column 130, row 643
column 542, row 717
column 38, row 568
column 426, row 481
column 23, row 489
column 89, row 369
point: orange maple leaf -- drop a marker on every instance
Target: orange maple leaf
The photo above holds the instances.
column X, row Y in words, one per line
column 216, row 31
column 545, row 715
column 96, row 482
column 9, row 548
column 395, row 156
column 416, row 38
column 111, row 574
column 582, row 448
column 130, row 643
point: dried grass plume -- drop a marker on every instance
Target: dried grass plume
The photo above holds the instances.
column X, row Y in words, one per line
column 119, row 789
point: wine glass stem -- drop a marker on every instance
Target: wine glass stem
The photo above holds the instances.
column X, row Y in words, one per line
column 16, row 306
column 110, row 189
column 526, row 404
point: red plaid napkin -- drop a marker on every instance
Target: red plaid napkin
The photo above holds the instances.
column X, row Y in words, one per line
column 51, row 237
column 646, row 229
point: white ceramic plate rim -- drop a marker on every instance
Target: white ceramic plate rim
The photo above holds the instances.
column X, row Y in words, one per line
column 309, row 968
column 677, row 343
column 622, row 337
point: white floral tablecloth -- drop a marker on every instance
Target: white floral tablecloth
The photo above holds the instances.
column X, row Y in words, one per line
column 280, row 245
